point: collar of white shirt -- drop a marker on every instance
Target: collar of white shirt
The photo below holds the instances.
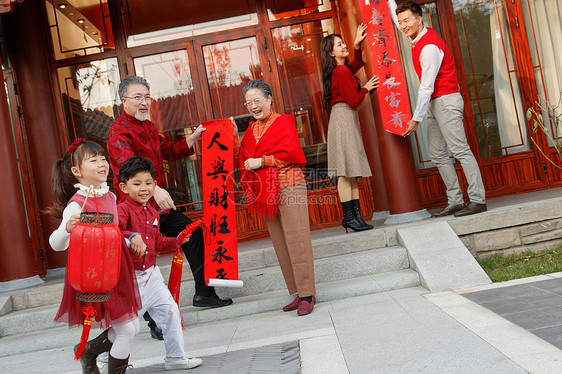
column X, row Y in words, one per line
column 422, row 33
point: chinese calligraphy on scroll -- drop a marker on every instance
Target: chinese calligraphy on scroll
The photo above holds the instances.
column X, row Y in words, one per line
column 383, row 50
column 221, row 246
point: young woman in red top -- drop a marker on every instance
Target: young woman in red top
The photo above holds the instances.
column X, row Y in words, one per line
column 342, row 95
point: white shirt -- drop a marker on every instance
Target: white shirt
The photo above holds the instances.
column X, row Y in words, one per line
column 431, row 58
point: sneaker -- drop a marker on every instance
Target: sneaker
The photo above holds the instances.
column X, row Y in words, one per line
column 179, row 363
column 102, row 366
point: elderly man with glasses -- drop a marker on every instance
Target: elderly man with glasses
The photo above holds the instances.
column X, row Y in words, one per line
column 132, row 134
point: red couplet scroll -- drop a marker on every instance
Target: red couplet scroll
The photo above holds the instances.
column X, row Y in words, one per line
column 221, row 245
column 384, row 53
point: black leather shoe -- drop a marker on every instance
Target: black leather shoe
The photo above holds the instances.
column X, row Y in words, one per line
column 448, row 210
column 210, row 301
column 472, row 208
column 156, row 333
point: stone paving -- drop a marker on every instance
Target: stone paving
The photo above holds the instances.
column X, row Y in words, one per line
column 283, row 358
column 536, row 307
column 396, row 332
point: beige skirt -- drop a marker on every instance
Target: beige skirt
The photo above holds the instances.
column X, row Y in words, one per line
column 346, row 153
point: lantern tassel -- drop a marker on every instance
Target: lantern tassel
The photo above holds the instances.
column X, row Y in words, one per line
column 90, row 312
column 174, row 282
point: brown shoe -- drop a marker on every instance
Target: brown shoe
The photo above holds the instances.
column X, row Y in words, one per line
column 471, row 208
column 448, row 210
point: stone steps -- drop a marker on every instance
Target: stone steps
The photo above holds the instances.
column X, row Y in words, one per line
column 256, row 282
column 36, row 335
column 252, row 256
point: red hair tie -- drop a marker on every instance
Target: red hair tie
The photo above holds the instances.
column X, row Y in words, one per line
column 73, row 147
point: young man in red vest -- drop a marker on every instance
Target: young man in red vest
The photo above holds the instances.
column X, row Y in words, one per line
column 439, row 96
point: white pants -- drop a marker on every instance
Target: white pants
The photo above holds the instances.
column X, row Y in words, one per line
column 159, row 303
column 445, row 129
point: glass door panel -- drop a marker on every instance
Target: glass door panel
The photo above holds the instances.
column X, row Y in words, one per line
column 230, row 66
column 89, row 98
column 174, row 113
column 297, row 50
column 491, row 74
column 543, row 23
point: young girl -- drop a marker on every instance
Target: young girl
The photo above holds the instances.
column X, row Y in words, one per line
column 85, row 165
column 342, row 94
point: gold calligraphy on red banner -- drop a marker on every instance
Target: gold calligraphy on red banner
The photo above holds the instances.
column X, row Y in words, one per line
column 221, row 246
column 385, row 55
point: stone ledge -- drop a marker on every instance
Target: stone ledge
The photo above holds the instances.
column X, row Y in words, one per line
column 5, row 305
column 513, row 216
column 544, row 236
column 540, row 227
column 536, row 247
column 496, row 239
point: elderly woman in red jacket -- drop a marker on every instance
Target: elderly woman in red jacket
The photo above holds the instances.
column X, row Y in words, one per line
column 272, row 159
column 342, row 95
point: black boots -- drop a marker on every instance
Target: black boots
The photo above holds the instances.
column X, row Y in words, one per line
column 358, row 214
column 93, row 349
column 350, row 219
column 117, row 365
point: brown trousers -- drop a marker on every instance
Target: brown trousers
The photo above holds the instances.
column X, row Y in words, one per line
column 290, row 233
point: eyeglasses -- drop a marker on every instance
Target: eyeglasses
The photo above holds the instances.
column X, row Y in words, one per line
column 257, row 102
column 140, row 98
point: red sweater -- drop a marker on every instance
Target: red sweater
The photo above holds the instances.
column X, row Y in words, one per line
column 446, row 80
column 130, row 137
column 344, row 85
column 144, row 220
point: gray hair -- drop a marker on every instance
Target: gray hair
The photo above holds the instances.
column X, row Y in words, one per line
column 135, row 79
column 260, row 85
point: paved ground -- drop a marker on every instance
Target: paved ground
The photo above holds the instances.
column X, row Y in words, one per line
column 401, row 331
column 275, row 358
column 536, row 307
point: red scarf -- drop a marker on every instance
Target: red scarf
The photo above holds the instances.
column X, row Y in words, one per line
column 261, row 186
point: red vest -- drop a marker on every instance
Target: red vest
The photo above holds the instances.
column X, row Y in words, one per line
column 446, row 80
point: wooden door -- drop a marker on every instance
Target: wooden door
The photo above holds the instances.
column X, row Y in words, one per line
column 26, row 181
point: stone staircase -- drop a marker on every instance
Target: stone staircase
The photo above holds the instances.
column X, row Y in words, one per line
column 346, row 265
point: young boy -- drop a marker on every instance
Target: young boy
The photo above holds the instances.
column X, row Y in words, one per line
column 139, row 223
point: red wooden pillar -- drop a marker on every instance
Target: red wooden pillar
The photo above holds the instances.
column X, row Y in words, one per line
column 15, row 247
column 29, row 53
column 394, row 152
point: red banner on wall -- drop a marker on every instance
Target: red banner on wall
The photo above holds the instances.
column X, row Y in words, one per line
column 383, row 50
column 221, row 245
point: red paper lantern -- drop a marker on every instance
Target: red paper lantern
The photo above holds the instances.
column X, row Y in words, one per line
column 94, row 257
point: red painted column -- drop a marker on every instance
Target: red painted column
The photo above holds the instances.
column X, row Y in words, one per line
column 394, row 152
column 15, row 247
column 29, row 53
